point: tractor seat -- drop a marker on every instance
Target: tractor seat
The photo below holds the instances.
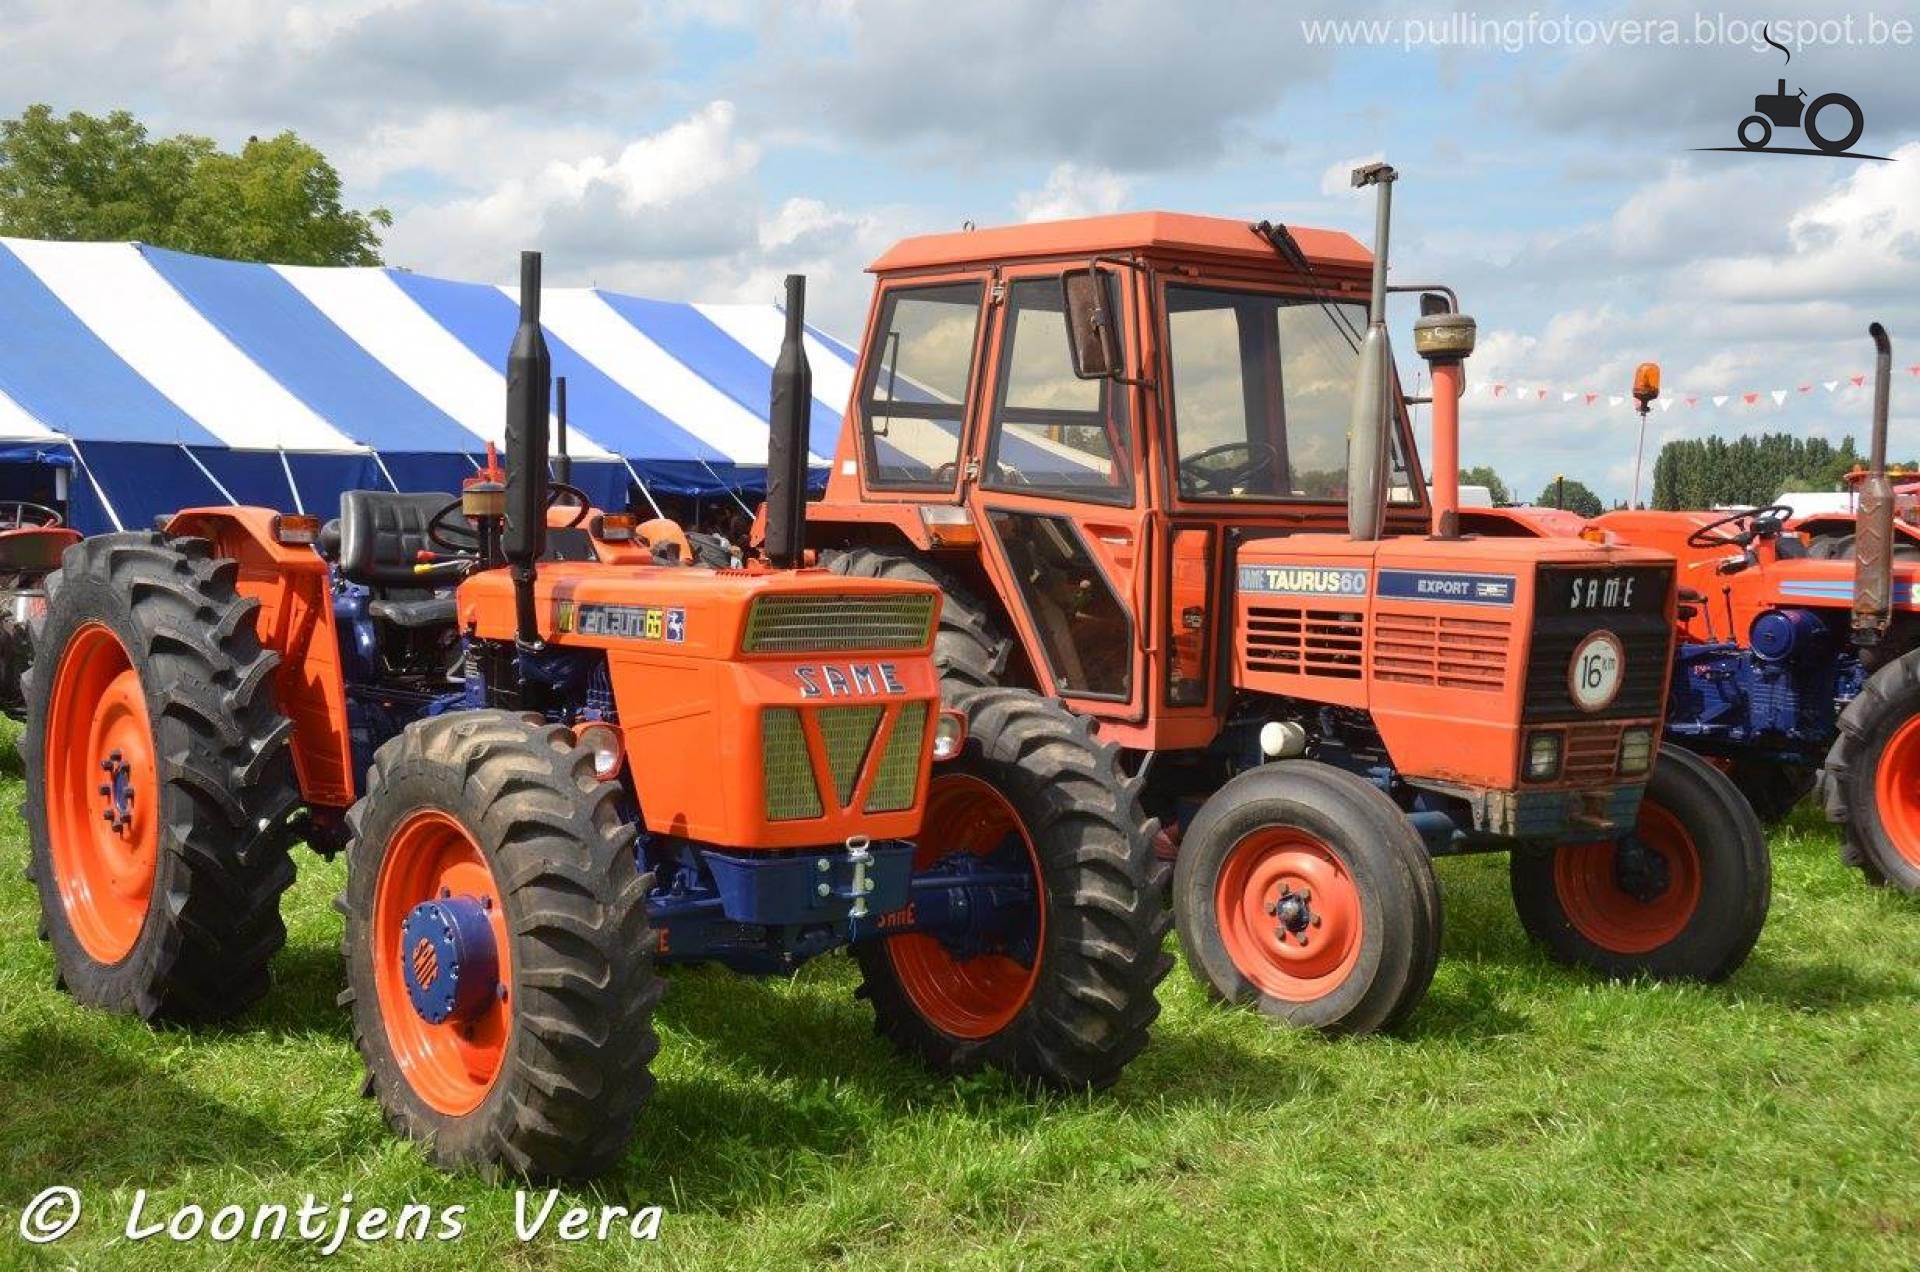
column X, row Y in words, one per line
column 381, row 537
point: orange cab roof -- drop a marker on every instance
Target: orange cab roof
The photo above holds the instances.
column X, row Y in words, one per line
column 1171, row 232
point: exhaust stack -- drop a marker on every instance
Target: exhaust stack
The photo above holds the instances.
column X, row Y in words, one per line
column 1873, row 522
column 562, row 462
column 788, row 412
column 529, row 390
column 1367, row 425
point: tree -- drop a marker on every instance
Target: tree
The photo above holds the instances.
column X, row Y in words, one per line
column 1571, row 495
column 1709, row 472
column 1483, row 475
column 82, row 177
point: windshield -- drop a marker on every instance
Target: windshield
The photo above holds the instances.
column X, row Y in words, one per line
column 1262, row 387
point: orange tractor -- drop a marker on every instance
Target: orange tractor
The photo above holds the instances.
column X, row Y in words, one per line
column 1160, row 467
column 551, row 777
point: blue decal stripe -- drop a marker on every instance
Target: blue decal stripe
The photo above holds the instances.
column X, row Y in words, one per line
column 1450, row 587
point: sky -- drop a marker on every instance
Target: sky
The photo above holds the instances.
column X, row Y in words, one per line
column 1550, row 161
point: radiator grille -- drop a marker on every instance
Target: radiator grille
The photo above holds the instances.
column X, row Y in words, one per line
column 791, row 793
column 1305, row 642
column 895, row 780
column 1441, row 652
column 815, row 623
column 846, row 742
column 1592, row 750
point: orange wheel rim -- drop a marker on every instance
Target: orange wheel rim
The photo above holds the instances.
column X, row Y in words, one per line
column 451, row 1065
column 102, row 793
column 1289, row 914
column 1587, row 878
column 1896, row 791
column 973, row 997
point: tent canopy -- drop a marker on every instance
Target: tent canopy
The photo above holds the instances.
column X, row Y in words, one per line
column 168, row 380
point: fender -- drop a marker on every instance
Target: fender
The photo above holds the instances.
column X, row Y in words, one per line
column 295, row 620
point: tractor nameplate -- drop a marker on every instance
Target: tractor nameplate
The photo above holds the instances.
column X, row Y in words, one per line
column 849, row 680
column 624, row 622
column 1302, row 580
column 1446, row 585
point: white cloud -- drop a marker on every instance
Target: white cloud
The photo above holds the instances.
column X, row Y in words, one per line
column 1071, row 190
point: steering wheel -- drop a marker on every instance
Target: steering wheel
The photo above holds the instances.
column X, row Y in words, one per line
column 460, row 536
column 18, row 514
column 1756, row 523
column 1261, row 461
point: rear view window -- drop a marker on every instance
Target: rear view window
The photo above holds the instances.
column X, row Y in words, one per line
column 914, row 399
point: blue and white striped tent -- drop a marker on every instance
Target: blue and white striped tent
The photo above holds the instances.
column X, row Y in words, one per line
column 167, row 380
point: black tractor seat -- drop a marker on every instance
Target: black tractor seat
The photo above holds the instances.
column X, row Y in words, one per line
column 381, row 536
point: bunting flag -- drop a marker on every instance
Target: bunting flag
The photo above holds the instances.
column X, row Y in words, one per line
column 1515, row 391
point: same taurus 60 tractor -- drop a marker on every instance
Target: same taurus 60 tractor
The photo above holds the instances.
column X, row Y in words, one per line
column 1160, row 467
column 550, row 777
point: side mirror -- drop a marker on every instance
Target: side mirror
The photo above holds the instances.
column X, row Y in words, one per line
column 1093, row 338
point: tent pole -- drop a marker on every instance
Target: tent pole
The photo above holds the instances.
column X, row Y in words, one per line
column 392, row 485
column 93, row 481
column 208, row 474
column 642, row 485
column 287, row 468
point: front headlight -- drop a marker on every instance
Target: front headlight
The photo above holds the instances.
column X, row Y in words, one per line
column 1543, row 757
column 1636, row 750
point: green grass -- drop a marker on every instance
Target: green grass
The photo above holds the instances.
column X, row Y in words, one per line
column 1528, row 1116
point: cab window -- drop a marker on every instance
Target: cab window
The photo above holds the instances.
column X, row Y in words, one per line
column 1262, row 387
column 1053, row 431
column 914, row 398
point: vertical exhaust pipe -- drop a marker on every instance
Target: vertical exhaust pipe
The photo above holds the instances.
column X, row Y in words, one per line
column 788, row 412
column 562, row 462
column 1445, row 339
column 1367, row 425
column 529, row 390
column 1873, row 523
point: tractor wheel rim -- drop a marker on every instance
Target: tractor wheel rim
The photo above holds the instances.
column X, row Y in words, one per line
column 1280, row 884
column 1611, row 917
column 451, row 1066
column 103, row 815
column 980, row 996
column 1896, row 790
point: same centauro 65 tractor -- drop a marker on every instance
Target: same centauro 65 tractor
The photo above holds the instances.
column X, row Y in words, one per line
column 1160, row 467
column 554, row 776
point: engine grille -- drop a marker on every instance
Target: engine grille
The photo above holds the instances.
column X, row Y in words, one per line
column 1592, row 750
column 846, row 741
column 1305, row 642
column 814, row 623
column 1561, row 622
column 1443, row 653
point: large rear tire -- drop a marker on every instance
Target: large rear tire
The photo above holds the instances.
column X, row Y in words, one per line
column 499, row 962
column 970, row 648
column 1302, row 891
column 158, row 781
column 1066, row 999
column 1871, row 782
column 1683, row 898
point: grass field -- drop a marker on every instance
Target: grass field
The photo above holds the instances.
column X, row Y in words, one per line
column 1528, row 1116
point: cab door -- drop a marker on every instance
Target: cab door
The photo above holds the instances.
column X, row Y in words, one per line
column 1053, row 485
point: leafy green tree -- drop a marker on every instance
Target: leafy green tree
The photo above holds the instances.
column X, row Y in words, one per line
column 1571, row 495
column 1483, row 475
column 1706, row 472
column 82, row 177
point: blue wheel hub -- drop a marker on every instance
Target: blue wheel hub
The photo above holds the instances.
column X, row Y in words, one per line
column 449, row 960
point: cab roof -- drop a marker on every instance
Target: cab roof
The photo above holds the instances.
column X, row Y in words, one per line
column 1173, row 233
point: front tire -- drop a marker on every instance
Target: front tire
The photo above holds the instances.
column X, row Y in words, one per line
column 1302, row 891
column 1871, row 782
column 1683, row 898
column 485, row 846
column 158, row 781
column 1066, row 999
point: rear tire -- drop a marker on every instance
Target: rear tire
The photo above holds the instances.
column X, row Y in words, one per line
column 970, row 647
column 1355, row 878
column 1871, row 782
column 543, row 1077
column 158, row 781
column 1074, row 1016
column 1689, row 904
